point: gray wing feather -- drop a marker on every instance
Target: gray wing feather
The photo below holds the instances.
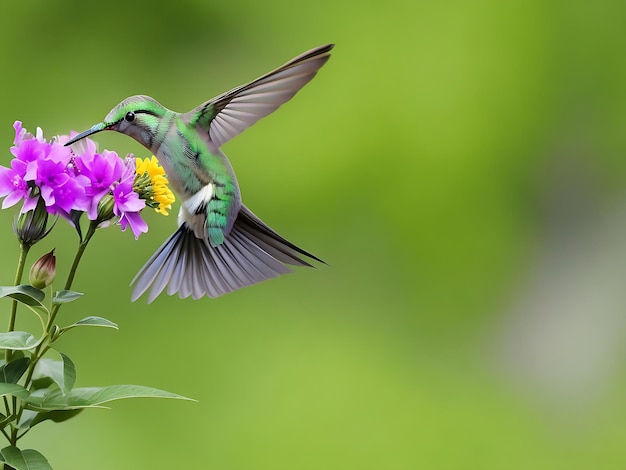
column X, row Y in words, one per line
column 179, row 266
column 165, row 273
column 214, row 279
column 281, row 248
column 232, row 274
column 236, row 110
column 190, row 266
column 164, row 259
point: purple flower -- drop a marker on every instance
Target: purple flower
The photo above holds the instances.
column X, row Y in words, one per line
column 61, row 191
column 16, row 183
column 103, row 171
column 127, row 207
column 30, row 152
column 20, row 133
column 41, row 169
column 71, row 180
column 14, row 186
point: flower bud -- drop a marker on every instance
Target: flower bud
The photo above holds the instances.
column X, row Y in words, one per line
column 43, row 271
column 105, row 208
column 32, row 226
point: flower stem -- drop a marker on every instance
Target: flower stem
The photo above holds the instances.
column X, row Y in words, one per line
column 70, row 277
column 24, row 248
column 43, row 347
column 81, row 249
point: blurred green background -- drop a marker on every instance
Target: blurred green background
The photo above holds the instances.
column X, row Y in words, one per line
column 459, row 164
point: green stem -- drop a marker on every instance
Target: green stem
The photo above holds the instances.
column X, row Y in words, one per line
column 79, row 254
column 70, row 277
column 55, row 308
column 18, row 279
column 8, row 354
column 41, row 349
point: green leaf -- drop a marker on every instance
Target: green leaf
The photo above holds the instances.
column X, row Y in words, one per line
column 4, row 420
column 13, row 390
column 62, row 372
column 28, row 459
column 13, row 371
column 29, row 296
column 94, row 397
column 92, row 321
column 49, row 368
column 33, row 418
column 15, row 355
column 69, row 374
column 40, row 383
column 18, row 340
column 65, row 296
column 25, row 293
column 75, row 218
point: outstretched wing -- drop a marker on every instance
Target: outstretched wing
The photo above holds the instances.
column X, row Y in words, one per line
column 229, row 114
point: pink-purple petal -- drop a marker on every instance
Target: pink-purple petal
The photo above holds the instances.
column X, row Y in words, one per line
column 70, row 179
column 137, row 224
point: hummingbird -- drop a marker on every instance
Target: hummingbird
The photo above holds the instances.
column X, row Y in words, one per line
column 220, row 245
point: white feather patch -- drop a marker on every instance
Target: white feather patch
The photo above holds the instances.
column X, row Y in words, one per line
column 199, row 199
column 187, row 214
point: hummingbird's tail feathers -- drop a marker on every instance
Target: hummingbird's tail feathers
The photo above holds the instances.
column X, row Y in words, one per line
column 269, row 240
column 190, row 266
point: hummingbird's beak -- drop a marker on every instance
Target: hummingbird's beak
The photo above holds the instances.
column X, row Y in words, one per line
column 97, row 128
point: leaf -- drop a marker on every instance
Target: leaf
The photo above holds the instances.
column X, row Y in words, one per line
column 33, row 418
column 4, row 420
column 94, row 397
column 15, row 355
column 13, row 390
column 69, row 374
column 28, row 459
column 65, row 296
column 29, row 296
column 75, row 218
column 62, row 372
column 18, row 340
column 49, row 368
column 13, row 371
column 24, row 293
column 40, row 383
column 92, row 321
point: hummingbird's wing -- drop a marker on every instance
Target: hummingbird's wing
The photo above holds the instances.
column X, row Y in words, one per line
column 229, row 114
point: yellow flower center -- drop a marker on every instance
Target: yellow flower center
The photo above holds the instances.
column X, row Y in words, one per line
column 152, row 185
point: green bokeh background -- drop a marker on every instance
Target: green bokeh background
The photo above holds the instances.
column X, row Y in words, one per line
column 459, row 164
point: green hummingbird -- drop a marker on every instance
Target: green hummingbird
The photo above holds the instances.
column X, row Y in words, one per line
column 220, row 245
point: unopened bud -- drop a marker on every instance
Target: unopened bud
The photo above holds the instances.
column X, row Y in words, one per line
column 105, row 208
column 32, row 226
column 43, row 271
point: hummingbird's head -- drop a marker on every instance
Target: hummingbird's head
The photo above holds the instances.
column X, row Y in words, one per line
column 137, row 117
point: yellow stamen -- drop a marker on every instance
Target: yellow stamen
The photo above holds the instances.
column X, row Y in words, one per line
column 159, row 189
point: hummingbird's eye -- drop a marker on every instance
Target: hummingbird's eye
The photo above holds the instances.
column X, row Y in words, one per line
column 130, row 116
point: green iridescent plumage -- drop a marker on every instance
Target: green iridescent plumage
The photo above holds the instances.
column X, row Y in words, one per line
column 220, row 245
